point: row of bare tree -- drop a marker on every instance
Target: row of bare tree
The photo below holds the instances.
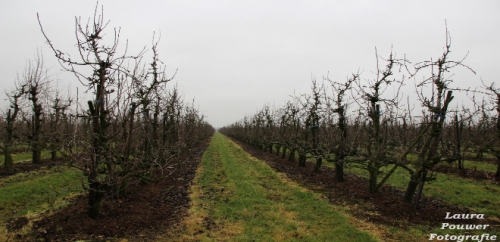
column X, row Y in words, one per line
column 361, row 123
column 133, row 126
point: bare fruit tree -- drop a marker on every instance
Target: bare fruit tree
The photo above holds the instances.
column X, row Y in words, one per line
column 106, row 66
column 337, row 105
column 36, row 80
column 437, row 105
column 494, row 93
column 11, row 118
column 376, row 151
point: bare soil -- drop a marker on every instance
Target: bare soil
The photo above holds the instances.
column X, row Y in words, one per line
column 146, row 212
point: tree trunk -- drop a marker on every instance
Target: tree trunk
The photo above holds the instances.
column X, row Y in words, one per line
column 291, row 157
column 37, row 125
column 8, row 163
column 420, row 188
column 302, row 160
column 11, row 117
column 99, row 126
column 479, row 154
column 497, row 174
column 155, row 126
column 458, row 147
column 318, row 164
column 37, row 156
column 373, row 179
column 283, row 153
column 412, row 187
column 35, row 146
column 339, row 171
column 96, row 195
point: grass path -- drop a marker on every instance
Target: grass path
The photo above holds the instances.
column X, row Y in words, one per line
column 239, row 198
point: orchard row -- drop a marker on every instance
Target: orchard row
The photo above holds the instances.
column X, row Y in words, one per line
column 132, row 126
column 363, row 122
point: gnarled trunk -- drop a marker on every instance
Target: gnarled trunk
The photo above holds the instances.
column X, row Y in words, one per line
column 339, row 171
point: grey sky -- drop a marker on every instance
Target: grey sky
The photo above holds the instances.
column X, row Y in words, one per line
column 235, row 56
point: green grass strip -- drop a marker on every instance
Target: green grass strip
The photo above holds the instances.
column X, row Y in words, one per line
column 26, row 157
column 248, row 201
column 480, row 166
column 36, row 192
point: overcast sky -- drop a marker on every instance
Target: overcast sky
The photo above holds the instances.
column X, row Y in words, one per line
column 235, row 56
